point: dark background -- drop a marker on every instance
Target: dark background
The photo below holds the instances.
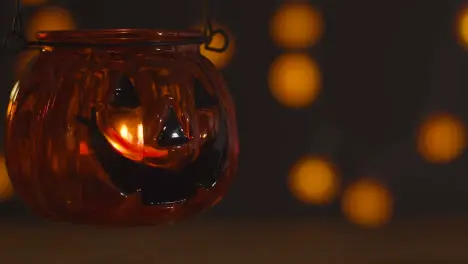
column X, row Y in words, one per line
column 385, row 65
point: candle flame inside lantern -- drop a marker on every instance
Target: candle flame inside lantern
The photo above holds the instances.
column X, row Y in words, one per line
column 130, row 146
column 125, row 134
column 140, row 134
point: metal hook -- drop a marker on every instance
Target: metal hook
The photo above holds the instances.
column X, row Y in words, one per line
column 210, row 33
column 223, row 48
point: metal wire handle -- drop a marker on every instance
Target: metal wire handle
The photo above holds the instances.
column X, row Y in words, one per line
column 15, row 41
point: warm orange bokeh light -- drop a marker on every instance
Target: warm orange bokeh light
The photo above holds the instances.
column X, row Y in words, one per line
column 463, row 26
column 33, row 2
column 220, row 60
column 295, row 80
column 314, row 181
column 49, row 19
column 441, row 138
column 296, row 25
column 6, row 189
column 368, row 203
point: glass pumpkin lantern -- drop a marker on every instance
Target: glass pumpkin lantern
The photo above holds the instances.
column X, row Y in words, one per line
column 121, row 127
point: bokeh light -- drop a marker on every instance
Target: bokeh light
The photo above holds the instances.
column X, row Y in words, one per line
column 295, row 80
column 6, row 188
column 314, row 180
column 49, row 19
column 368, row 203
column 33, row 2
column 463, row 26
column 296, row 25
column 220, row 60
column 441, row 138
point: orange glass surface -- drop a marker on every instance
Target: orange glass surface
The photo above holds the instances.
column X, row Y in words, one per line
column 121, row 135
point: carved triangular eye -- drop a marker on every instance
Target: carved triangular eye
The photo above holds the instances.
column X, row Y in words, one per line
column 172, row 133
column 202, row 98
column 125, row 94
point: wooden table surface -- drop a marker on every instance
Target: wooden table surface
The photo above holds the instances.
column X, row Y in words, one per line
column 237, row 241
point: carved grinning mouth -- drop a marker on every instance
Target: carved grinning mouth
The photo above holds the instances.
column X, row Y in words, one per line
column 159, row 186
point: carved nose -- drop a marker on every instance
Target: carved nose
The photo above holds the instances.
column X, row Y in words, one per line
column 172, row 133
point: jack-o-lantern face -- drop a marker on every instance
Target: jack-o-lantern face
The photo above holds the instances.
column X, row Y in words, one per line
column 121, row 134
column 168, row 158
